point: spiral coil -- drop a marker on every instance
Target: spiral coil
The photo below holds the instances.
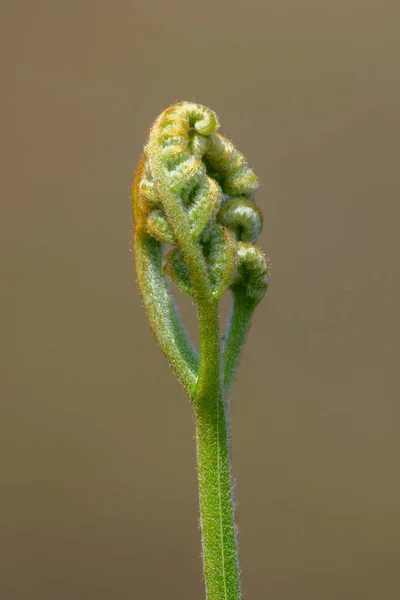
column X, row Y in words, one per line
column 196, row 194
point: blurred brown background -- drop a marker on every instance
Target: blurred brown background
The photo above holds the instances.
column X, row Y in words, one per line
column 98, row 491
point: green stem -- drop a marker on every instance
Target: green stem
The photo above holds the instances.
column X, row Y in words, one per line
column 238, row 328
column 220, row 560
column 221, row 570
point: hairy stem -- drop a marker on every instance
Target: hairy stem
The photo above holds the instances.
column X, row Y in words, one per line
column 220, row 560
column 238, row 328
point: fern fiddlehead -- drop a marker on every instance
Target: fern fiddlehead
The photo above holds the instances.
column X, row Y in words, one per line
column 194, row 192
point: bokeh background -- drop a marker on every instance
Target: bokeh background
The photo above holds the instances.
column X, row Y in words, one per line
column 98, row 493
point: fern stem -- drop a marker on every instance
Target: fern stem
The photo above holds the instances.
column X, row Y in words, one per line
column 238, row 327
column 220, row 558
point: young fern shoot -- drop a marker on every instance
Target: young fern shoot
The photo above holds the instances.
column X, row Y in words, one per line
column 194, row 191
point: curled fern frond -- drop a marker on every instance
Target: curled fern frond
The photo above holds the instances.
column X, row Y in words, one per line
column 195, row 226
column 195, row 192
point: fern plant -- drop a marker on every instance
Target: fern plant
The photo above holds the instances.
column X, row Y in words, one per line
column 195, row 225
